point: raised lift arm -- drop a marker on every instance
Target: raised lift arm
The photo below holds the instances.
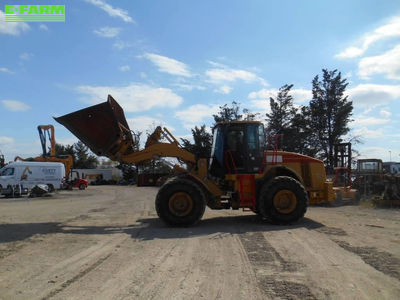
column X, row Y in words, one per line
column 104, row 129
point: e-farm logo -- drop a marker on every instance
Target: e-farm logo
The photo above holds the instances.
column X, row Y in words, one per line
column 35, row 13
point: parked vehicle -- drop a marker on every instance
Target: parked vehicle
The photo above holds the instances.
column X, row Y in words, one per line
column 74, row 181
column 29, row 174
column 242, row 172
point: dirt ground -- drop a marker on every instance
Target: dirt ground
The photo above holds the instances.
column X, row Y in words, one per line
column 107, row 243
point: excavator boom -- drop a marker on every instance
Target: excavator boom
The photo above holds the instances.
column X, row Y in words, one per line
column 49, row 130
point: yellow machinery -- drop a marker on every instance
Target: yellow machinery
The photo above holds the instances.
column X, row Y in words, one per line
column 373, row 181
column 240, row 173
column 48, row 131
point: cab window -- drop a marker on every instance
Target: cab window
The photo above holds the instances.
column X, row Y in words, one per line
column 261, row 137
column 252, row 137
column 7, row 172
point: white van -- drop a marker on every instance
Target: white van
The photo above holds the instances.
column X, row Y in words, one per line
column 29, row 174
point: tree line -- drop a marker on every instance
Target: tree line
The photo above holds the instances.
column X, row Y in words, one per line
column 81, row 154
column 310, row 129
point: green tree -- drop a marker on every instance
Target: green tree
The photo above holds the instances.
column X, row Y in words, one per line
column 280, row 119
column 303, row 138
column 293, row 123
column 330, row 112
column 234, row 113
column 202, row 142
column 228, row 113
column 64, row 150
column 282, row 111
column 84, row 160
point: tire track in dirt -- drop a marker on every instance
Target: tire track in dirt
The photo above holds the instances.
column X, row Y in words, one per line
column 380, row 260
column 270, row 268
column 76, row 277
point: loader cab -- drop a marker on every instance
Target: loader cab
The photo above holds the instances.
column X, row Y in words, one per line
column 238, row 148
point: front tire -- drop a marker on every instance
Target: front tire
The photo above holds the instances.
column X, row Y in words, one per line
column 283, row 200
column 180, row 202
column 82, row 186
column 51, row 188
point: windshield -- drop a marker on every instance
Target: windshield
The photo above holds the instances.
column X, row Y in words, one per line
column 7, row 172
column 370, row 166
column 217, row 149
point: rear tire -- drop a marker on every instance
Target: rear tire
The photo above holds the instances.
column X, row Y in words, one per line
column 283, row 200
column 82, row 186
column 180, row 202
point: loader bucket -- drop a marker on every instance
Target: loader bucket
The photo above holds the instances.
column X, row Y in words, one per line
column 102, row 127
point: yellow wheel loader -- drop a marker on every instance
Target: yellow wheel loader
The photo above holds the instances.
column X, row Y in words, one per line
column 240, row 173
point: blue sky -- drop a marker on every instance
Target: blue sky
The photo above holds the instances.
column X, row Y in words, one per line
column 174, row 62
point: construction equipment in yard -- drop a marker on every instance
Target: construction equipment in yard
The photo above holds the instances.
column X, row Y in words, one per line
column 374, row 183
column 74, row 180
column 342, row 181
column 369, row 176
column 47, row 131
column 277, row 185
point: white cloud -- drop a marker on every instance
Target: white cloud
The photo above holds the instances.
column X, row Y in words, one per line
column 376, row 152
column 124, row 68
column 43, row 27
column 348, row 75
column 387, row 63
column 5, row 70
column 107, row 32
column 264, row 94
column 369, row 121
column 189, row 87
column 133, row 97
column 122, row 45
column 26, row 56
column 225, row 89
column 350, row 52
column 14, row 105
column 390, row 29
column 226, row 74
column 216, row 64
column 11, row 28
column 261, row 106
column 197, row 113
column 372, row 95
column 112, row 11
column 168, row 65
column 299, row 95
column 364, row 132
column 4, row 140
column 384, row 113
column 146, row 124
column 67, row 141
